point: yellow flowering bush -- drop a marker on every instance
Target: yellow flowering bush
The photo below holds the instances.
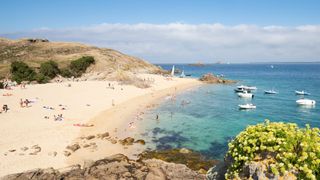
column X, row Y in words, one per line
column 292, row 149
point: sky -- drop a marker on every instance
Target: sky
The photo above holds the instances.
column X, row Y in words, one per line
column 178, row 31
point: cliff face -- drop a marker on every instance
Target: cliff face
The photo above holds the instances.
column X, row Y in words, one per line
column 35, row 51
column 114, row 167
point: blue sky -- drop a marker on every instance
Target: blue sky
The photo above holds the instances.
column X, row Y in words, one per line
column 30, row 14
column 182, row 20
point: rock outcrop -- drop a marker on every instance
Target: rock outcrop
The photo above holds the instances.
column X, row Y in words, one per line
column 212, row 79
column 114, row 167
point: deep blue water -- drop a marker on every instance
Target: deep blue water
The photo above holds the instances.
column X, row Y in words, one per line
column 213, row 118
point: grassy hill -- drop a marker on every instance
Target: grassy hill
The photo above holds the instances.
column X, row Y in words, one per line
column 35, row 51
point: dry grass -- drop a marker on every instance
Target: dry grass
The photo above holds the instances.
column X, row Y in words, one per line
column 127, row 78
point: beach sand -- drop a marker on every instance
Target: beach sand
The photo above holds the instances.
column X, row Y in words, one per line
column 28, row 140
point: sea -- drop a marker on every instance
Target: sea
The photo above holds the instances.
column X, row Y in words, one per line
column 211, row 117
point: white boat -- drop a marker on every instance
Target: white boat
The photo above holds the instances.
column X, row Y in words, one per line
column 247, row 106
column 182, row 75
column 242, row 88
column 270, row 92
column 302, row 93
column 172, row 71
column 251, row 88
column 245, row 94
column 306, row 102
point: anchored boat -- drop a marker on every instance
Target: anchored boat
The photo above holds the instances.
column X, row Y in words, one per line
column 247, row 106
column 302, row 93
column 245, row 94
column 306, row 102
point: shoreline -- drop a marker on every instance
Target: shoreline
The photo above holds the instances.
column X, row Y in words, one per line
column 24, row 130
column 120, row 122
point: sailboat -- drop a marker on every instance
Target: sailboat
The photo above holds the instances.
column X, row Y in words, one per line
column 172, row 71
column 182, row 75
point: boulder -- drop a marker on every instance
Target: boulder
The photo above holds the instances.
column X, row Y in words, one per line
column 212, row 79
column 73, row 147
column 140, row 141
column 127, row 141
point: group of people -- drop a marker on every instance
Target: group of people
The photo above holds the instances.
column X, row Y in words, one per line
column 58, row 117
column 24, row 103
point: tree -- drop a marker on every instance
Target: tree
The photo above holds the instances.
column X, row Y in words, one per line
column 49, row 69
column 79, row 66
column 22, row 72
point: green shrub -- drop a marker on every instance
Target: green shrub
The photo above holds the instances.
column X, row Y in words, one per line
column 79, row 66
column 42, row 79
column 294, row 149
column 50, row 69
column 22, row 72
column 65, row 73
column 1, row 85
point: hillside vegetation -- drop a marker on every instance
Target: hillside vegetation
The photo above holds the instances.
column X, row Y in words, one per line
column 33, row 52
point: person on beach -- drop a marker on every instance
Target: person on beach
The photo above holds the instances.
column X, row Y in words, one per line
column 5, row 108
column 112, row 102
column 21, row 103
column 157, row 117
column 27, row 102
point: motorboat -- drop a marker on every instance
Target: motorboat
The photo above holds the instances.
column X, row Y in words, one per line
column 307, row 102
column 270, row 92
column 243, row 88
column 251, row 88
column 245, row 94
column 247, row 106
column 302, row 93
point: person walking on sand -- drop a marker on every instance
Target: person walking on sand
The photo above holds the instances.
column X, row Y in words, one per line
column 21, row 103
column 112, row 102
column 27, row 102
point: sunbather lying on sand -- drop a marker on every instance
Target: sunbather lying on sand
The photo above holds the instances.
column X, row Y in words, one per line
column 83, row 125
column 7, row 94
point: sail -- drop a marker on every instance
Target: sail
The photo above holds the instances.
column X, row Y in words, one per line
column 172, row 71
column 182, row 74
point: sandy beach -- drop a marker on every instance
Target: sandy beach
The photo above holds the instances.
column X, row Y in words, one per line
column 32, row 138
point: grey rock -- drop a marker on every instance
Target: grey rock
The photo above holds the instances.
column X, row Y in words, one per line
column 114, row 167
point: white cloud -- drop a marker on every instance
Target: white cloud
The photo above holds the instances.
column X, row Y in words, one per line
column 188, row 43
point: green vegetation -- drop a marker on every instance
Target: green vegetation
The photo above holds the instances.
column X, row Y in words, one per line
column 289, row 148
column 1, row 85
column 48, row 70
column 65, row 73
column 22, row 72
column 42, row 79
column 79, row 66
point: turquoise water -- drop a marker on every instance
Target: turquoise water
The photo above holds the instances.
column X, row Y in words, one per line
column 212, row 118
